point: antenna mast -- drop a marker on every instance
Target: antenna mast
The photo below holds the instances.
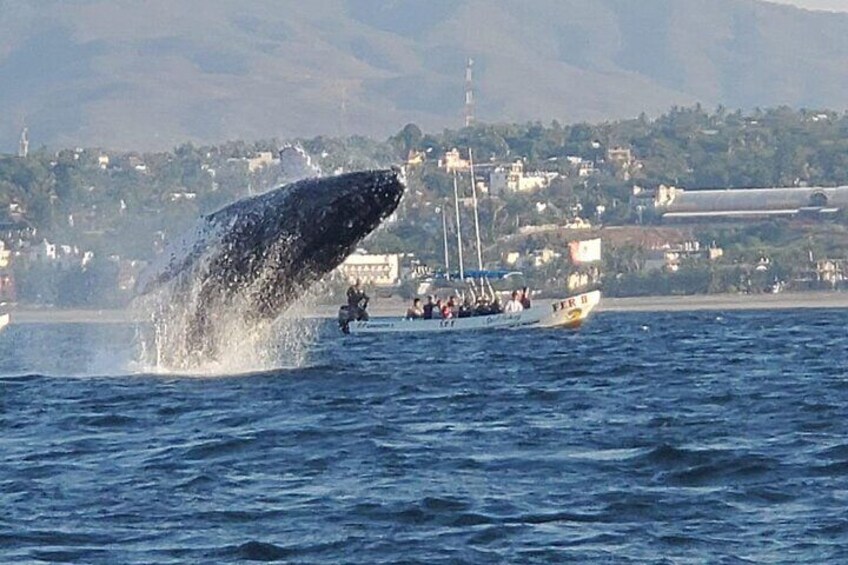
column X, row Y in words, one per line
column 469, row 94
column 445, row 235
column 23, row 148
column 458, row 228
column 476, row 216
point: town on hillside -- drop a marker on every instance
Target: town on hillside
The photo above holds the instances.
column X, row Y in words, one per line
column 692, row 202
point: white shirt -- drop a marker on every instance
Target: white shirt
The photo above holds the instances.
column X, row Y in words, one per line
column 513, row 306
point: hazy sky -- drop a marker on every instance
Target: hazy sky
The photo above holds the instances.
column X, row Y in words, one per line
column 832, row 5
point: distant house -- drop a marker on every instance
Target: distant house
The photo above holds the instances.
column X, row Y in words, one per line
column 263, row 159
column 415, row 157
column 63, row 256
column 5, row 255
column 671, row 256
column 541, row 257
column 16, row 211
column 182, row 196
column 514, row 179
column 137, row 163
column 622, row 161
column 583, row 167
column 452, row 162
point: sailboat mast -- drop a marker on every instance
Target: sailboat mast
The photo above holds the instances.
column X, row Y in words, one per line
column 445, row 237
column 458, row 227
column 476, row 216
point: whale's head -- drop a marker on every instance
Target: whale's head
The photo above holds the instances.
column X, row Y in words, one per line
column 322, row 221
column 275, row 245
column 315, row 224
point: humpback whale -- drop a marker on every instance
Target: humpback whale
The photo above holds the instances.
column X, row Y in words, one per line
column 250, row 260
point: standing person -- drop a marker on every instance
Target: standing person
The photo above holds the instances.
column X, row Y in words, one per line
column 357, row 301
column 525, row 298
column 514, row 305
column 428, row 308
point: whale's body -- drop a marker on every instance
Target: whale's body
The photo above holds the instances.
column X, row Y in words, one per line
column 253, row 258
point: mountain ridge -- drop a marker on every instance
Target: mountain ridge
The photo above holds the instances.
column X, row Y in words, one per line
column 130, row 75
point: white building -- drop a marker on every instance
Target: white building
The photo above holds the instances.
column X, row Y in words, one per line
column 63, row 256
column 44, row 251
column 452, row 162
column 379, row 270
column 515, row 179
column 262, row 160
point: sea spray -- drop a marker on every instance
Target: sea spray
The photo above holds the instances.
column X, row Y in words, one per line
column 233, row 342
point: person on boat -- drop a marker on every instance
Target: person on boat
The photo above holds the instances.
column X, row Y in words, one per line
column 453, row 304
column 357, row 301
column 415, row 312
column 525, row 298
column 466, row 309
column 447, row 312
column 483, row 307
column 514, row 305
column 437, row 309
column 428, row 308
column 495, row 307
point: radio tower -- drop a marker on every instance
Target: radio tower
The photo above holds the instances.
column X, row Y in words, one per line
column 23, row 148
column 469, row 94
column 343, row 112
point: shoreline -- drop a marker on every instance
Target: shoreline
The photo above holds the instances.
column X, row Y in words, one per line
column 396, row 307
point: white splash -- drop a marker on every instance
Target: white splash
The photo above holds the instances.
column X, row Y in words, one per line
column 296, row 164
column 241, row 346
column 235, row 343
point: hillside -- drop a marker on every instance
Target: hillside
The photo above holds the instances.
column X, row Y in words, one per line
column 148, row 75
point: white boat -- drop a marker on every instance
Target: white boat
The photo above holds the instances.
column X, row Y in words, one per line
column 4, row 320
column 567, row 313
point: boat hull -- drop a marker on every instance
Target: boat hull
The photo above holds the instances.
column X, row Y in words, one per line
column 567, row 313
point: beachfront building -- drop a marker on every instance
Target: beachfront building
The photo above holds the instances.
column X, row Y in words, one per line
column 377, row 270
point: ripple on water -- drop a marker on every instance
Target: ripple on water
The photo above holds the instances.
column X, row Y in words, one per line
column 641, row 438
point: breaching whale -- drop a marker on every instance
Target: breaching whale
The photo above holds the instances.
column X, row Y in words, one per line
column 253, row 258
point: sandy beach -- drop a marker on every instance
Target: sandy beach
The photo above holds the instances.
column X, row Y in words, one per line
column 785, row 300
column 395, row 307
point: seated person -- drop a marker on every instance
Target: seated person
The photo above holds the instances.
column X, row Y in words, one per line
column 437, row 310
column 447, row 313
column 453, row 304
column 415, row 312
column 483, row 308
column 466, row 310
column 514, row 305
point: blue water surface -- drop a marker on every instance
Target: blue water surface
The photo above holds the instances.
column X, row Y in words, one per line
column 678, row 437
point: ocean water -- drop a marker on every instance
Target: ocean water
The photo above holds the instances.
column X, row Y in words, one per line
column 661, row 438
